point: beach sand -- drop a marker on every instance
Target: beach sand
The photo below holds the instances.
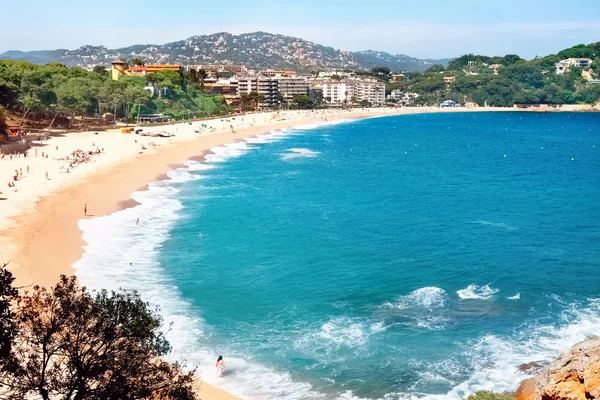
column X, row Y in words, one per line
column 39, row 217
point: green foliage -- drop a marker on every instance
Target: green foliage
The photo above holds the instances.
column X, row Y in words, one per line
column 302, row 101
column 71, row 344
column 435, row 68
column 8, row 295
column 54, row 89
column 488, row 395
column 518, row 81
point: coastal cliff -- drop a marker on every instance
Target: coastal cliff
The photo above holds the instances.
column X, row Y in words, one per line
column 574, row 375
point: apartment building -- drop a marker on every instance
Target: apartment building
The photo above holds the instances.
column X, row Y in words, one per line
column 370, row 90
column 268, row 87
column 288, row 87
column 337, row 92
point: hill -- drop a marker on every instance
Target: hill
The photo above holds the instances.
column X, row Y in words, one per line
column 255, row 50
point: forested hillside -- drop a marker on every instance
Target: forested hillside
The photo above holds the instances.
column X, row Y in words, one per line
column 508, row 80
column 52, row 91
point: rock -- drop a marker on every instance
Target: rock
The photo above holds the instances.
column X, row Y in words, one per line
column 532, row 367
column 575, row 375
column 525, row 390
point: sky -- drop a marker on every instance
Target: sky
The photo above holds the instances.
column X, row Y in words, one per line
column 424, row 29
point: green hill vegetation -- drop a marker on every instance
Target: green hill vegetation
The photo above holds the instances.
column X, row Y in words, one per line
column 512, row 81
column 53, row 90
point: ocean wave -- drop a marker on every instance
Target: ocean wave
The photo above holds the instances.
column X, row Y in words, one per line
column 223, row 153
column 495, row 224
column 515, row 297
column 421, row 309
column 495, row 360
column 477, row 292
column 299, row 153
column 428, row 297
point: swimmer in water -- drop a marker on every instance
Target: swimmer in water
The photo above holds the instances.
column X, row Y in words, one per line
column 220, row 366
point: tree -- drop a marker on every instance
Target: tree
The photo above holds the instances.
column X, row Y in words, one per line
column 73, row 96
column 381, row 71
column 488, row 395
column 137, row 61
column 435, row 68
column 202, row 74
column 510, row 59
column 100, row 70
column 302, row 101
column 8, row 295
column 75, row 345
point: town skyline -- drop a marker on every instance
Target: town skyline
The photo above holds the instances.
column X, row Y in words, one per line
column 438, row 30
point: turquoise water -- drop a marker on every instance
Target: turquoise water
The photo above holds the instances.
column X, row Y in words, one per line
column 399, row 257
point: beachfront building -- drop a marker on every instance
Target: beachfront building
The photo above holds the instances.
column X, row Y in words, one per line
column 291, row 86
column 265, row 86
column 222, row 86
column 336, row 93
column 564, row 65
column 370, row 90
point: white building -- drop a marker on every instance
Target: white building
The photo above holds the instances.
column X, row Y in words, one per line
column 337, row 92
column 329, row 74
column 370, row 90
column 564, row 65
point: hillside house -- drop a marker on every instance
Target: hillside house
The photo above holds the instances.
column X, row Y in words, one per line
column 564, row 65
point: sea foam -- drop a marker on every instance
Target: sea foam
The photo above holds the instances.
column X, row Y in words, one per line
column 477, row 292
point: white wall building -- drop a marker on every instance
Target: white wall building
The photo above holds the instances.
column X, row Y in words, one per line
column 564, row 65
column 336, row 92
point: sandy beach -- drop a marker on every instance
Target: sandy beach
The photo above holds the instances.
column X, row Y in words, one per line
column 39, row 215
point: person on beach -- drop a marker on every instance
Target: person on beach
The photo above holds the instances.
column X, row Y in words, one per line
column 220, row 366
column 46, row 175
column 85, row 210
column 137, row 221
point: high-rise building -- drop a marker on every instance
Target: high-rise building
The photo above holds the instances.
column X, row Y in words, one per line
column 267, row 87
column 289, row 87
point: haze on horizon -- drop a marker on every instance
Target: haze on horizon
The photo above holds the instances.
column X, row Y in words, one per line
column 435, row 29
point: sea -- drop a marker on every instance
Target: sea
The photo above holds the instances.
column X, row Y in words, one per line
column 421, row 256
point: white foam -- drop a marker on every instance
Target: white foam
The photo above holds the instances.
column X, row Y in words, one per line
column 495, row 224
column 515, row 297
column 429, row 297
column 477, row 292
column 344, row 331
column 299, row 153
column 423, row 308
column 496, row 360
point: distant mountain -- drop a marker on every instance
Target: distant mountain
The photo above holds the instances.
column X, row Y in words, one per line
column 35, row 57
column 255, row 50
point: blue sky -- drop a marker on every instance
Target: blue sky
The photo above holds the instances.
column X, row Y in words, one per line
column 431, row 29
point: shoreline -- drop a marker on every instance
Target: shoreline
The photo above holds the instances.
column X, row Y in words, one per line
column 45, row 232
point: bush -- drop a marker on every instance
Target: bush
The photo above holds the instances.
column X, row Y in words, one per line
column 70, row 344
column 489, row 395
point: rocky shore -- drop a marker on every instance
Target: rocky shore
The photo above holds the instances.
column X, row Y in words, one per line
column 574, row 375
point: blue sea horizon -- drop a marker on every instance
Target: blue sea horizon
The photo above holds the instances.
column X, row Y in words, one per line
column 414, row 256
